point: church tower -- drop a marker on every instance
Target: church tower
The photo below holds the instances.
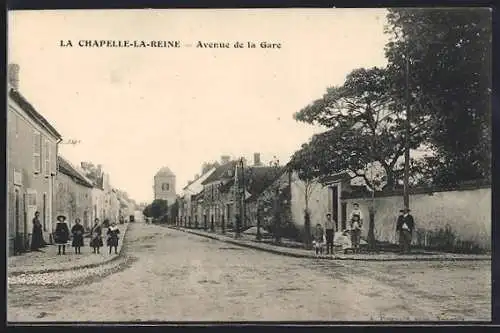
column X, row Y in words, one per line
column 164, row 185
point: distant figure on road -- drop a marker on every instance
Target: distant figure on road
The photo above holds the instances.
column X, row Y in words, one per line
column 405, row 226
column 112, row 240
column 319, row 236
column 96, row 237
column 77, row 233
column 37, row 236
column 61, row 235
column 330, row 232
column 355, row 232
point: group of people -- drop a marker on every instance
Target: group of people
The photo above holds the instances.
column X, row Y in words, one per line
column 404, row 227
column 63, row 234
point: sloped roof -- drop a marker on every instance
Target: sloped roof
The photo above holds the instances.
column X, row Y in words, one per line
column 165, row 171
column 221, row 172
column 257, row 179
column 65, row 167
column 32, row 113
column 196, row 185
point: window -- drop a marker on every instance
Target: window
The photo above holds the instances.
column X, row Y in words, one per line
column 37, row 142
column 46, row 152
column 31, row 197
column 165, row 186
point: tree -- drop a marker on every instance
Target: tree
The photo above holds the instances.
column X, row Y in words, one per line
column 206, row 166
column 92, row 172
column 450, row 83
column 303, row 162
column 158, row 208
column 365, row 126
column 174, row 210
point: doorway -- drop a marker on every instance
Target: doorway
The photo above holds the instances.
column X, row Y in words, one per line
column 45, row 212
column 335, row 205
column 25, row 234
column 17, row 238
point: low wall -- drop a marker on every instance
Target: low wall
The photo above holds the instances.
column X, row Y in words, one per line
column 467, row 213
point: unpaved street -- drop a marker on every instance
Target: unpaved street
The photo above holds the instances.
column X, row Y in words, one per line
column 175, row 276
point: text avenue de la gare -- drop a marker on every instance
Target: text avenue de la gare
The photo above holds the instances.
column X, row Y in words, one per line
column 94, row 43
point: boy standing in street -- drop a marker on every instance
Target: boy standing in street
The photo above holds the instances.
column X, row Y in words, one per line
column 329, row 229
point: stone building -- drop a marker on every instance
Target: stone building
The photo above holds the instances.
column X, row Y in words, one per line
column 73, row 194
column 164, row 185
column 32, row 145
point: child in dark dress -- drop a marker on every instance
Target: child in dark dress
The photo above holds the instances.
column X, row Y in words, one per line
column 77, row 232
column 112, row 241
column 61, row 235
column 96, row 234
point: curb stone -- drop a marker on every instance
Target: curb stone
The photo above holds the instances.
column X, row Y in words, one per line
column 84, row 266
column 336, row 257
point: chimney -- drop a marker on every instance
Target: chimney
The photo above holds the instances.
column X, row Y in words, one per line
column 256, row 159
column 13, row 75
column 225, row 159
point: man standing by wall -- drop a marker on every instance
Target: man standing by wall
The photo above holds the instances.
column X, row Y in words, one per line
column 405, row 228
column 329, row 229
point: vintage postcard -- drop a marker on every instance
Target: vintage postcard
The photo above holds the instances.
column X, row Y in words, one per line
column 249, row 165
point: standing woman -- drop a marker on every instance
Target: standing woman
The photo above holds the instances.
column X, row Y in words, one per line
column 77, row 232
column 37, row 236
column 61, row 235
column 112, row 241
column 96, row 241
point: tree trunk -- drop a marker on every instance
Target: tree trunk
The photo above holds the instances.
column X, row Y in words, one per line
column 371, row 230
column 307, row 229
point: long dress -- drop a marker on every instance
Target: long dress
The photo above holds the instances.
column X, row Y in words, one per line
column 96, row 240
column 61, row 235
column 113, row 236
column 37, row 235
column 77, row 232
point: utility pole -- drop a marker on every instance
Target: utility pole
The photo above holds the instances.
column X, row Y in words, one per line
column 243, row 194
column 406, row 194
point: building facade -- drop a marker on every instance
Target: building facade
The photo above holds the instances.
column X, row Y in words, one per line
column 32, row 147
column 164, row 185
column 73, row 195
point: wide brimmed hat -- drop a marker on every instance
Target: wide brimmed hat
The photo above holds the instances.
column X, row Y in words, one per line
column 328, row 214
column 404, row 210
column 59, row 217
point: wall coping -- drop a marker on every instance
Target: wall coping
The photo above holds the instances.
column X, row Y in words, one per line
column 417, row 190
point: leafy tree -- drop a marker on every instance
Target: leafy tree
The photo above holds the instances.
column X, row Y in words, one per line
column 303, row 162
column 206, row 166
column 174, row 210
column 366, row 126
column 91, row 171
column 156, row 209
column 449, row 52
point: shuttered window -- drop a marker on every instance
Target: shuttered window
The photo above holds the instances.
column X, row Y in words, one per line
column 46, row 152
column 31, row 197
column 37, row 142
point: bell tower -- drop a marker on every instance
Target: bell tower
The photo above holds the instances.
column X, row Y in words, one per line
column 164, row 185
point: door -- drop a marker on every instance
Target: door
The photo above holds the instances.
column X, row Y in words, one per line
column 86, row 220
column 25, row 234
column 45, row 211
column 17, row 209
column 335, row 206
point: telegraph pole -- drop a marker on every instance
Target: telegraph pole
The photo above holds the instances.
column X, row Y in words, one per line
column 406, row 194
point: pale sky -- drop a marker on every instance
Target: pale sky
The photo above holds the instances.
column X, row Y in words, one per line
column 138, row 109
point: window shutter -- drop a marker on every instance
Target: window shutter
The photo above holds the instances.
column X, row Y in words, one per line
column 36, row 152
column 47, row 158
column 31, row 197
